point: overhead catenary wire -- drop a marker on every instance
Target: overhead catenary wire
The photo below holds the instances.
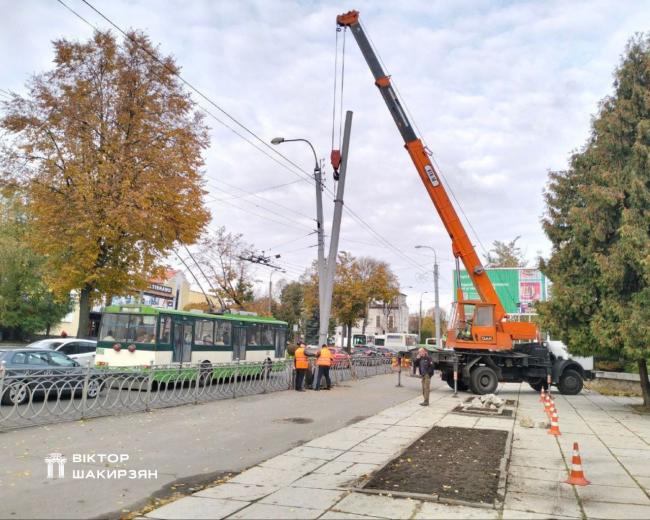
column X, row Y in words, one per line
column 307, row 177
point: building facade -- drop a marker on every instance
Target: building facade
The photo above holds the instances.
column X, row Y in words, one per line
column 382, row 319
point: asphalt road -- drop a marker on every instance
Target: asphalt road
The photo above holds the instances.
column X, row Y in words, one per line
column 186, row 444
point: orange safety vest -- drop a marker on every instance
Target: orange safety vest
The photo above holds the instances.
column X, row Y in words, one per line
column 301, row 359
column 324, row 358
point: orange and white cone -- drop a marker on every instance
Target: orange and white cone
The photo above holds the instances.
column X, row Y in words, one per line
column 577, row 477
column 555, row 425
column 541, row 395
column 547, row 405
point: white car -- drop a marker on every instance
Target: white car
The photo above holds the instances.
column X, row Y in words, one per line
column 81, row 350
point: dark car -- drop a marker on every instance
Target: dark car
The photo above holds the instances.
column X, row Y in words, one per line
column 29, row 373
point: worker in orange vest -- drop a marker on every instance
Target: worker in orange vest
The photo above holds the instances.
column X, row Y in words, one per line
column 301, row 365
column 323, row 363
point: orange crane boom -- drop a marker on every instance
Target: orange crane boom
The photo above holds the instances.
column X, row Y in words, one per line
column 477, row 324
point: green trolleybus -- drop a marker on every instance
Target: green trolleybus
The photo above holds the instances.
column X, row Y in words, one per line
column 139, row 335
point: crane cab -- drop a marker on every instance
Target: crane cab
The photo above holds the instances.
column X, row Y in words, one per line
column 473, row 326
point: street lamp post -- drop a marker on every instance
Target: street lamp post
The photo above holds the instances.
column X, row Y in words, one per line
column 322, row 329
column 420, row 318
column 435, row 285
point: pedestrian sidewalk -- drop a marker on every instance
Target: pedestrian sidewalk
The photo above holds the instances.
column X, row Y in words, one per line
column 312, row 481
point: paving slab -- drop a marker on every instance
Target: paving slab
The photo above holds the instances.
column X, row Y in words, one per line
column 305, row 498
column 540, row 487
column 608, row 510
column 235, row 491
column 553, row 475
column 262, row 476
column 272, row 512
column 343, row 439
column 543, row 504
column 359, row 470
column 290, row 463
column 360, row 503
column 194, row 507
column 324, row 481
column 334, row 467
column 511, row 514
column 336, row 515
column 315, row 453
column 491, row 423
column 364, row 457
column 432, row 510
column 617, row 495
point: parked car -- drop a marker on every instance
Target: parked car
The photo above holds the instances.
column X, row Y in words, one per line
column 340, row 357
column 366, row 351
column 31, row 373
column 386, row 352
column 81, row 350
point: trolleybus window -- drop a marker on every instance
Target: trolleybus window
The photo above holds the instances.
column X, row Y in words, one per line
column 204, row 332
column 166, row 327
column 267, row 335
column 280, row 343
column 125, row 327
column 253, row 335
column 223, row 333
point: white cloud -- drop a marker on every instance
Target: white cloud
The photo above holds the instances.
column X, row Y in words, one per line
column 502, row 92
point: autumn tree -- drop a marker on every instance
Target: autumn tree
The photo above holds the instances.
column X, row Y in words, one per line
column 358, row 283
column 222, row 256
column 598, row 221
column 26, row 303
column 291, row 308
column 506, row 254
column 108, row 153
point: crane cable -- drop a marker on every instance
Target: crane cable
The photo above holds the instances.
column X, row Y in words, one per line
column 335, row 156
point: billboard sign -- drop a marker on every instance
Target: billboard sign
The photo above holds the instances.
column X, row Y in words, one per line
column 518, row 289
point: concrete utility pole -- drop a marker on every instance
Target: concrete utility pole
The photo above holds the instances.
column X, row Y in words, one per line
column 336, row 228
column 435, row 285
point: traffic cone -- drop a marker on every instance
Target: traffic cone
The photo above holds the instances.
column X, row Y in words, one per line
column 555, row 425
column 541, row 395
column 547, row 405
column 577, row 477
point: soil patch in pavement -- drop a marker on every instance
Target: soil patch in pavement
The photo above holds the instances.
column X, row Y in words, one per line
column 452, row 463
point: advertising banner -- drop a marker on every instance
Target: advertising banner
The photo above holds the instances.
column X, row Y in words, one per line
column 518, row 289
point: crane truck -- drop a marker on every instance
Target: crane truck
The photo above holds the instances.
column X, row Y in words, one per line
column 483, row 347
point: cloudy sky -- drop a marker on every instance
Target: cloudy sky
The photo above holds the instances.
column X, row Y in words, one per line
column 501, row 91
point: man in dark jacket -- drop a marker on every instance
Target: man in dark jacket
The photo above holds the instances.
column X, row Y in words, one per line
column 425, row 365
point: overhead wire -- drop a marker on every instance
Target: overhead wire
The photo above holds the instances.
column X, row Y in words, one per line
column 302, row 174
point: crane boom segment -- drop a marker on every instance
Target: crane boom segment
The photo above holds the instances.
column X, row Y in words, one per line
column 462, row 246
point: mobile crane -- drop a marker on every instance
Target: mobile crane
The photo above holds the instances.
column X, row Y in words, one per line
column 483, row 347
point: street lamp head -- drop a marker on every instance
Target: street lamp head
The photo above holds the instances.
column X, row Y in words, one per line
column 277, row 140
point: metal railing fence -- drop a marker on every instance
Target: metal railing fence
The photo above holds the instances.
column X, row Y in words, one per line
column 30, row 398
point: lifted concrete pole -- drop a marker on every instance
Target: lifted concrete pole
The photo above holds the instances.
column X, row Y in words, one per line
column 336, row 228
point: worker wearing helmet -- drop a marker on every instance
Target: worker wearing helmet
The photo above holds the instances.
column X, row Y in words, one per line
column 323, row 364
column 301, row 364
column 425, row 364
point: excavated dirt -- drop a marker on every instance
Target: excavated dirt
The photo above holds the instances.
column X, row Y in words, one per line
column 453, row 463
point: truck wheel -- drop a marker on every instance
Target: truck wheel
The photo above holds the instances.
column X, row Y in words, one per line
column 461, row 386
column 538, row 383
column 483, row 380
column 570, row 382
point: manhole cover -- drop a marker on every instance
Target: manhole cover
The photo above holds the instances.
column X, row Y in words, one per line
column 296, row 420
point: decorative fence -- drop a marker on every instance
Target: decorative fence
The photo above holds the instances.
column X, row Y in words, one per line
column 48, row 396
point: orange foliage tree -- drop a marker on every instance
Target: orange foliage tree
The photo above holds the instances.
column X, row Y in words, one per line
column 108, row 153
